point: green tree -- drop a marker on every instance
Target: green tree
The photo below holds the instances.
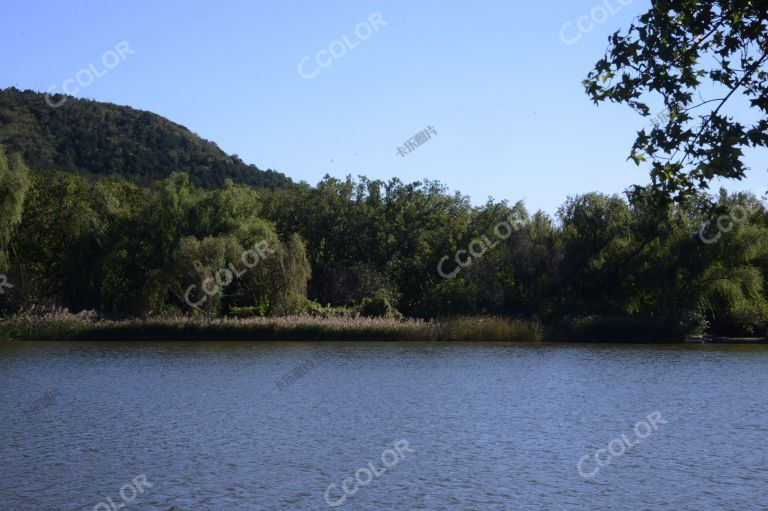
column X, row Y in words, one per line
column 704, row 64
column 58, row 241
column 14, row 184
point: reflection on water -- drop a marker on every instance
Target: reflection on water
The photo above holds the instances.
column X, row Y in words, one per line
column 280, row 425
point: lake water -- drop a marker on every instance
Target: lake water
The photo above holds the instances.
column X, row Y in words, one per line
column 352, row 426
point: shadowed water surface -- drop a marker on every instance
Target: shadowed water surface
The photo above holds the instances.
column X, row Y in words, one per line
column 493, row 427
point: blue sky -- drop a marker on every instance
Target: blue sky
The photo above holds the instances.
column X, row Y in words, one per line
column 494, row 78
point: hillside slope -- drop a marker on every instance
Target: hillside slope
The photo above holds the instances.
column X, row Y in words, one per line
column 106, row 139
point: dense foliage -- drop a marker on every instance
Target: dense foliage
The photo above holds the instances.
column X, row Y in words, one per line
column 706, row 65
column 120, row 248
column 104, row 139
column 14, row 183
column 122, row 212
column 347, row 247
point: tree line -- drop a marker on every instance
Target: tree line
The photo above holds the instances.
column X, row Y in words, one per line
column 349, row 246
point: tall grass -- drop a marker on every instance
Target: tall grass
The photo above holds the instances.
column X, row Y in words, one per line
column 65, row 326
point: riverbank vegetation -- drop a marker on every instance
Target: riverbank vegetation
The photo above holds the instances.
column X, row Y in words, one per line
column 623, row 267
column 62, row 325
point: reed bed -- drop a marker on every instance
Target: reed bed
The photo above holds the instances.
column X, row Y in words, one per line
column 66, row 326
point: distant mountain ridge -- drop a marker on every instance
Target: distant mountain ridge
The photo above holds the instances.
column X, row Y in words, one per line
column 107, row 139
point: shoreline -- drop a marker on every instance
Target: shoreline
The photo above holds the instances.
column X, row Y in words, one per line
column 64, row 326
column 721, row 339
column 70, row 327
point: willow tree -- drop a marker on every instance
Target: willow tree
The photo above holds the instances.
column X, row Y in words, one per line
column 705, row 63
column 14, row 183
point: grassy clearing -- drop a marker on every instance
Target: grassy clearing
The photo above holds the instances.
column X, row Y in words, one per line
column 66, row 326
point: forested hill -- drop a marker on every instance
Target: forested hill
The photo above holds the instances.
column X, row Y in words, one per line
column 107, row 139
